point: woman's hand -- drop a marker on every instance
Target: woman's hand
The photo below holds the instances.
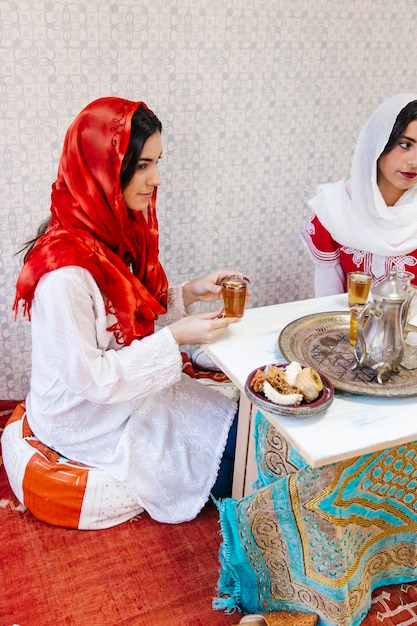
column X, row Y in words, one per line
column 206, row 289
column 200, row 329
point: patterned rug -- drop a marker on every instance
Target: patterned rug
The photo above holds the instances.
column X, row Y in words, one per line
column 138, row 573
column 393, row 606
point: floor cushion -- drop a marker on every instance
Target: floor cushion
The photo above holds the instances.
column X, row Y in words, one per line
column 59, row 491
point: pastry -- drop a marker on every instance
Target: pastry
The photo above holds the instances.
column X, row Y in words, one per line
column 309, row 383
column 291, row 372
column 287, row 399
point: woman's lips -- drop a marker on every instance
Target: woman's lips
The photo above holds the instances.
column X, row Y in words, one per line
column 408, row 174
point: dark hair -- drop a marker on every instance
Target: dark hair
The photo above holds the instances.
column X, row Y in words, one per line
column 405, row 116
column 144, row 124
column 28, row 245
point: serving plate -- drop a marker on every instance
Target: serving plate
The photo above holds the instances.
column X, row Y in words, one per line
column 303, row 410
column 321, row 340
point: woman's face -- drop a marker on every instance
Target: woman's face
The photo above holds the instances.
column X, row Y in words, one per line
column 397, row 170
column 138, row 193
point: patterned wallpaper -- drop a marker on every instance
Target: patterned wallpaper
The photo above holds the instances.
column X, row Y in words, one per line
column 261, row 100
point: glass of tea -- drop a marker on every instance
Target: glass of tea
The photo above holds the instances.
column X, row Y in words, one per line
column 234, row 289
column 359, row 284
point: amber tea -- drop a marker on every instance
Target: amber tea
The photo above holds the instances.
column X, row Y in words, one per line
column 234, row 295
column 359, row 284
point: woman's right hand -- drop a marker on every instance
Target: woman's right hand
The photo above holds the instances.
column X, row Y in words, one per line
column 202, row 328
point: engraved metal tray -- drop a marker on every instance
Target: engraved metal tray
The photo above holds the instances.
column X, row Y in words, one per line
column 321, row 340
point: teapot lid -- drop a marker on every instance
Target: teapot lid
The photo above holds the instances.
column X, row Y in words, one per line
column 390, row 288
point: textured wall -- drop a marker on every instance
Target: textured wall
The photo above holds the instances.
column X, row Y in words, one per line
column 261, row 100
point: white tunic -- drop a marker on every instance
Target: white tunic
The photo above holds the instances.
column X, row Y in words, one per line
column 129, row 410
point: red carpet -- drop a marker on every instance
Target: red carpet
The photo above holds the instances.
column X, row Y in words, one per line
column 135, row 574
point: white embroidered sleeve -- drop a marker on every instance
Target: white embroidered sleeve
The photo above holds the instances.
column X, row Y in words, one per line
column 176, row 309
column 75, row 354
column 328, row 280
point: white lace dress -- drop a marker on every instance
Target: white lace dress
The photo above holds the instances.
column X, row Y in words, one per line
column 129, row 410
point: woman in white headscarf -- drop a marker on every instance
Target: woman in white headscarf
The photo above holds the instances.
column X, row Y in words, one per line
column 369, row 221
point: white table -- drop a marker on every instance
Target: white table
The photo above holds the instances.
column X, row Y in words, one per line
column 352, row 426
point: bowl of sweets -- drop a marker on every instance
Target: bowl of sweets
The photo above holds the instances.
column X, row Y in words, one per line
column 289, row 389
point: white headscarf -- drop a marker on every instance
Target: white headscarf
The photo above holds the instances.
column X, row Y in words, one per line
column 354, row 212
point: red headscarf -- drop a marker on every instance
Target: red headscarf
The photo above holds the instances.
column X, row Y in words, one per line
column 92, row 228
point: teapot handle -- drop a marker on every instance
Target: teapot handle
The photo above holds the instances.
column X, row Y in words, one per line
column 368, row 309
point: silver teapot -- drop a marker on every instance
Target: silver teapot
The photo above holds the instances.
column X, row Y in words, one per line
column 380, row 342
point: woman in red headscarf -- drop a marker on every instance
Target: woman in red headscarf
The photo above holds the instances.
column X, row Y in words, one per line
column 106, row 390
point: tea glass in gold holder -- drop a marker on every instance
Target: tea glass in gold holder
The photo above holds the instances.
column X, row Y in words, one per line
column 355, row 311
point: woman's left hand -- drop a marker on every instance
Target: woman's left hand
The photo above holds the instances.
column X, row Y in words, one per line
column 206, row 289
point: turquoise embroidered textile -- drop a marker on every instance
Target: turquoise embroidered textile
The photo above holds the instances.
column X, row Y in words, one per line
column 319, row 539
